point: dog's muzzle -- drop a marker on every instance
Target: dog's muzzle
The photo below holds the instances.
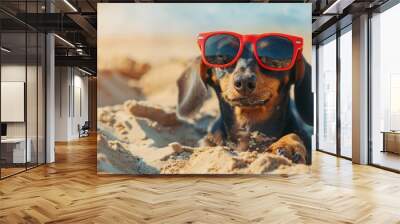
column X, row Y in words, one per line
column 246, row 102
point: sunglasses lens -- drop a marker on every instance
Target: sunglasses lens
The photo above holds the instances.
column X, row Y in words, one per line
column 221, row 49
column 275, row 52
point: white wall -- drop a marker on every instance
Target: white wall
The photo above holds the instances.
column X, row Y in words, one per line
column 15, row 73
column 80, row 103
column 61, row 103
column 71, row 94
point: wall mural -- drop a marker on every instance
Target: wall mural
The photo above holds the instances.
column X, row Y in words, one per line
column 204, row 88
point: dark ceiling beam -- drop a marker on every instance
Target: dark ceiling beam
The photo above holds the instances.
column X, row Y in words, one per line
column 16, row 18
column 11, row 25
column 49, row 22
column 85, row 51
column 84, row 24
column 332, row 29
column 329, row 14
column 320, row 23
column 58, row 22
column 91, row 5
column 78, row 61
column 336, row 17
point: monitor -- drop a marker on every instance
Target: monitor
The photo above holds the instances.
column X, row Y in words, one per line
column 3, row 129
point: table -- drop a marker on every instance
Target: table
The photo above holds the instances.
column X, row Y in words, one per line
column 391, row 141
column 16, row 147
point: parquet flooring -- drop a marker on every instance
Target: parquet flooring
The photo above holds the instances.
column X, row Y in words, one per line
column 10, row 171
column 70, row 191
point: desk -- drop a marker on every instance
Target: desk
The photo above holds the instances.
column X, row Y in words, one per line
column 391, row 141
column 15, row 148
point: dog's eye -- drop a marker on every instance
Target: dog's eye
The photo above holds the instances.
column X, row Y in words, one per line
column 221, row 59
column 276, row 52
column 221, row 49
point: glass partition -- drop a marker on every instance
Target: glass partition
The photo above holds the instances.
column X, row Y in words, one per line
column 327, row 96
column 14, row 153
column 346, row 93
column 385, row 89
column 22, row 89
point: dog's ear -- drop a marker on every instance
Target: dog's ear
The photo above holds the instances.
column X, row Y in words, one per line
column 192, row 89
column 299, row 69
column 304, row 97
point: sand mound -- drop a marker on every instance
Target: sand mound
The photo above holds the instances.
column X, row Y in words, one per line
column 221, row 160
column 142, row 138
column 125, row 66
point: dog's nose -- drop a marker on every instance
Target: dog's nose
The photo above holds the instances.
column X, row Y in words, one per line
column 245, row 84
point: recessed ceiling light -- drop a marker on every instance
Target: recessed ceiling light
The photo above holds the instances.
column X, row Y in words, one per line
column 84, row 71
column 64, row 40
column 5, row 50
column 337, row 7
column 70, row 5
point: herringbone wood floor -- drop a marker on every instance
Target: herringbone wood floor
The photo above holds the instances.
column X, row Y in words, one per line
column 69, row 191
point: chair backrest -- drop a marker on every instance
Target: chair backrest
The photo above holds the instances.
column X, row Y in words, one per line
column 86, row 125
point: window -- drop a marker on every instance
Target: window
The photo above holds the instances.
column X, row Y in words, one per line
column 327, row 96
column 385, row 89
column 346, row 93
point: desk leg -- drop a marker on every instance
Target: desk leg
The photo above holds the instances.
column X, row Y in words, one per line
column 384, row 142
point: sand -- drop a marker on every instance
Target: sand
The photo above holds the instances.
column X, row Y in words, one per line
column 142, row 138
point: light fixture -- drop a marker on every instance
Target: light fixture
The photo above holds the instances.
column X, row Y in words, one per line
column 65, row 41
column 70, row 5
column 84, row 71
column 5, row 50
column 337, row 7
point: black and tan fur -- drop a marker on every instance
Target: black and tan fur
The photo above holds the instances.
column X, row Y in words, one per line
column 267, row 106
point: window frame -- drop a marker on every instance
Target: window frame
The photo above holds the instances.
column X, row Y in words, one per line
column 334, row 37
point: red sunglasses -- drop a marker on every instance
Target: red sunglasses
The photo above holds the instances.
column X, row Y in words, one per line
column 273, row 51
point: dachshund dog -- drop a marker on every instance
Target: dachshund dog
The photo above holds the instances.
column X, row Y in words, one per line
column 253, row 98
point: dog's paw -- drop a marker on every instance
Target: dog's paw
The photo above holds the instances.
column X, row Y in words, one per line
column 291, row 147
column 212, row 139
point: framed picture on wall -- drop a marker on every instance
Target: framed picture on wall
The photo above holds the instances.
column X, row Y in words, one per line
column 12, row 101
column 219, row 88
